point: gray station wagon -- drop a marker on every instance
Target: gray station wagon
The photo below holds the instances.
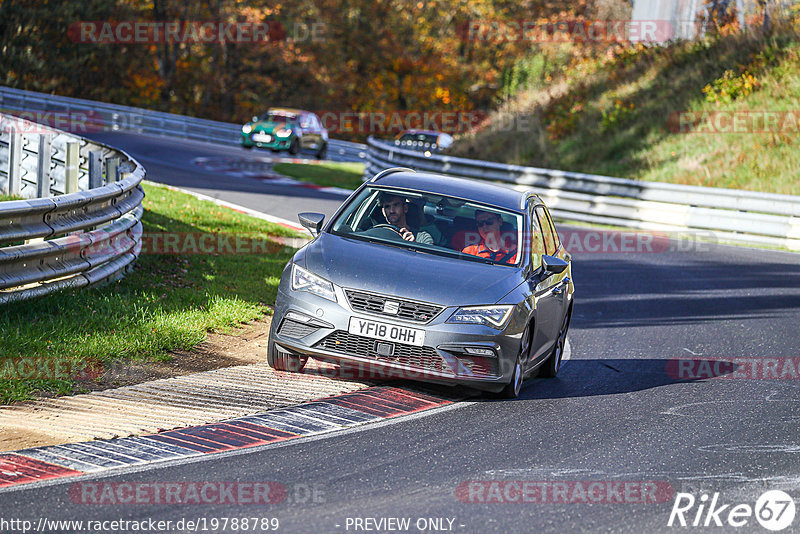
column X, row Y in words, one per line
column 430, row 278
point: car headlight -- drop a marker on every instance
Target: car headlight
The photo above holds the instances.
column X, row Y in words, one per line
column 247, row 129
column 284, row 132
column 494, row 316
column 303, row 280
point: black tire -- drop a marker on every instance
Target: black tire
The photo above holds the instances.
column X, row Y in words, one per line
column 294, row 147
column 247, row 147
column 322, row 153
column 549, row 368
column 511, row 391
column 284, row 361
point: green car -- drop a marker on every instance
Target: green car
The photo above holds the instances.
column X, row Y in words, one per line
column 287, row 129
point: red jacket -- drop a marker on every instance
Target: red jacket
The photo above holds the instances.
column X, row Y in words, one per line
column 503, row 255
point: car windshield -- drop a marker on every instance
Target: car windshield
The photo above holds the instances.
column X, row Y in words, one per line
column 440, row 225
column 278, row 116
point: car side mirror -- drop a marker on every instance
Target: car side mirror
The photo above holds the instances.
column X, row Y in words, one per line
column 553, row 265
column 312, row 222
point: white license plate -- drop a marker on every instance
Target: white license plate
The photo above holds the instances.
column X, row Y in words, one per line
column 386, row 332
column 262, row 138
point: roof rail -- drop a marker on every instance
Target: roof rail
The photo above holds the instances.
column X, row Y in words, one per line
column 387, row 172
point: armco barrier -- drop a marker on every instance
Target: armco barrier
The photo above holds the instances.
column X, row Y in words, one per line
column 99, row 116
column 88, row 232
column 732, row 215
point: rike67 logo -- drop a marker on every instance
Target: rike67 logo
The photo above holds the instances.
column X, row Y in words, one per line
column 774, row 510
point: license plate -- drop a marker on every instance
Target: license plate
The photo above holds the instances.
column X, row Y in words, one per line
column 386, row 332
column 262, row 138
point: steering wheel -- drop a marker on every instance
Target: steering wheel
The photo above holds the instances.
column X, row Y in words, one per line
column 386, row 231
column 392, row 227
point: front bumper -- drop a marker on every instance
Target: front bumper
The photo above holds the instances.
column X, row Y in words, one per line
column 442, row 358
column 275, row 143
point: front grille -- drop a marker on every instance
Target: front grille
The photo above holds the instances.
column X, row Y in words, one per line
column 295, row 329
column 480, row 367
column 424, row 358
column 409, row 310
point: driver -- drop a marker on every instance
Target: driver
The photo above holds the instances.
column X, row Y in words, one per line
column 395, row 208
column 494, row 245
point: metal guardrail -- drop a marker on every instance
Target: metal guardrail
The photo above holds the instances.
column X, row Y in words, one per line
column 88, row 233
column 91, row 116
column 732, row 215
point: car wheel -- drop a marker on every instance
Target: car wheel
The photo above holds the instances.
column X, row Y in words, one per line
column 322, row 153
column 284, row 361
column 550, row 367
column 511, row 391
column 294, row 148
column 247, row 147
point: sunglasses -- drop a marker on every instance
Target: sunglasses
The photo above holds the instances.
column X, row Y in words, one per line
column 486, row 222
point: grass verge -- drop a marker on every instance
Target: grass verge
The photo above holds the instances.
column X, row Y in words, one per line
column 619, row 117
column 330, row 174
column 169, row 302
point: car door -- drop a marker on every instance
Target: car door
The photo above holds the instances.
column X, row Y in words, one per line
column 316, row 131
column 548, row 291
column 307, row 139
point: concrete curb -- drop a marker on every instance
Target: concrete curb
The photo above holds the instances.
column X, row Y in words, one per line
column 332, row 414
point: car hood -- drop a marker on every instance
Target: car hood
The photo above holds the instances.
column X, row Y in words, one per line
column 378, row 268
column 270, row 126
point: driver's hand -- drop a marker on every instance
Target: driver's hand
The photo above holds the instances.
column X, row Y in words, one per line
column 406, row 234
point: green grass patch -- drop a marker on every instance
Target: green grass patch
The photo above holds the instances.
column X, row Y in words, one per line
column 9, row 197
column 169, row 302
column 344, row 175
column 612, row 117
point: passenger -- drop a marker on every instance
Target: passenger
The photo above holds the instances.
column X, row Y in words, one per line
column 493, row 245
column 395, row 208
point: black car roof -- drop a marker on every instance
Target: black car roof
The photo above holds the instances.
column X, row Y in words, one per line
column 486, row 192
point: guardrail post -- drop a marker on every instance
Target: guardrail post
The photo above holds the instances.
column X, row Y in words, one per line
column 43, row 167
column 112, row 170
column 14, row 169
column 71, row 167
column 95, row 169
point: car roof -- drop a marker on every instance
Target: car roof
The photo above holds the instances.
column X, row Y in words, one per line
column 475, row 190
column 287, row 110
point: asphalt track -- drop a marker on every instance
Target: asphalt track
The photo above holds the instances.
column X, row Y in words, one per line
column 626, row 410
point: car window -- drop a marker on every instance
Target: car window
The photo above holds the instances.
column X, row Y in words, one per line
column 537, row 243
column 305, row 121
column 278, row 116
column 547, row 232
column 440, row 224
column 314, row 122
column 556, row 239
